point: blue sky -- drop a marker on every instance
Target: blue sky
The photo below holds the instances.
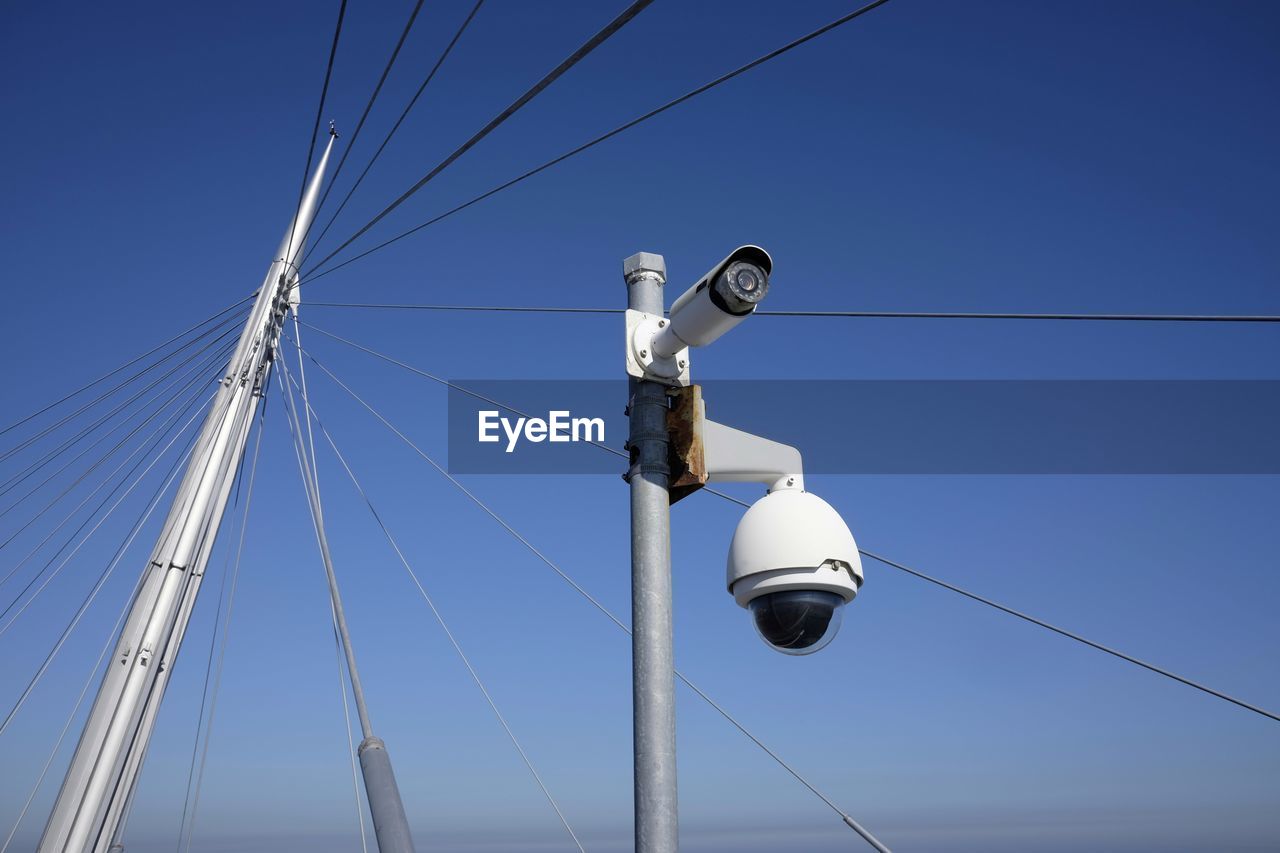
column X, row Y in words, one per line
column 932, row 156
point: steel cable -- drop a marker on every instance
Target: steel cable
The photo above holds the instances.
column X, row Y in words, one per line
column 845, row 818
column 127, row 364
column 226, row 628
column 106, row 573
column 635, row 8
column 935, row 315
column 412, row 101
column 22, row 475
column 444, row 626
column 724, row 78
column 167, row 424
column 974, row 596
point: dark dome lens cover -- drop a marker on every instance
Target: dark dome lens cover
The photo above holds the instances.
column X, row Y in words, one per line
column 798, row 621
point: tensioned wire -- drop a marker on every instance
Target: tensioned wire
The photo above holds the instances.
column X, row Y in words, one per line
column 587, row 47
column 208, row 668
column 846, row 818
column 94, row 514
column 188, row 381
column 126, row 365
column 88, row 682
column 313, row 273
column 309, row 473
column 226, row 628
column 368, row 107
column 457, row 647
column 51, row 455
column 315, row 130
column 971, row 595
column 156, row 437
column 404, row 114
column 27, row 442
column 111, row 566
column 914, row 315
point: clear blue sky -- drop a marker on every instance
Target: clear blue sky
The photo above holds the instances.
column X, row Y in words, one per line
column 986, row 156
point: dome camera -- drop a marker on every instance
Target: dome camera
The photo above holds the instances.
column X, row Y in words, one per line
column 794, row 564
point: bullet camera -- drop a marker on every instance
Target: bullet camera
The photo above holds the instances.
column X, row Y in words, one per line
column 794, row 564
column 720, row 300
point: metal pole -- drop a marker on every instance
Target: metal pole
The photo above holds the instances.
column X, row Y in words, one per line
column 652, row 660
column 104, row 770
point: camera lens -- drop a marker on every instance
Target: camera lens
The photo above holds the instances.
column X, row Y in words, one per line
column 741, row 286
column 798, row 621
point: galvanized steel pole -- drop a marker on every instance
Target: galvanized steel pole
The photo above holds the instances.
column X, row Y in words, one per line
column 653, row 663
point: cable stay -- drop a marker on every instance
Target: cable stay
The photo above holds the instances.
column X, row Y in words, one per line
column 124, row 366
column 443, row 625
column 94, row 514
column 208, row 668
column 364, row 116
column 971, row 595
column 914, row 315
column 390, row 824
column 25, row 443
column 57, row 745
column 66, row 519
column 315, row 132
column 194, row 797
column 22, row 475
column 404, row 114
column 96, row 442
column 473, row 394
column 111, row 566
column 635, row 8
column 193, row 381
column 309, row 472
column 350, row 741
column 849, row 821
column 312, row 274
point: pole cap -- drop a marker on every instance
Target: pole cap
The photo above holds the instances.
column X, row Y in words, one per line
column 645, row 265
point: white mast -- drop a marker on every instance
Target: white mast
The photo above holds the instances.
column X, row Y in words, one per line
column 104, row 770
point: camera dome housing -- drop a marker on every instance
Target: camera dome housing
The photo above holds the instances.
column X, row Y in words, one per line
column 794, row 564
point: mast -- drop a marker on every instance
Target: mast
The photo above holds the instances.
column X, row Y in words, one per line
column 104, row 771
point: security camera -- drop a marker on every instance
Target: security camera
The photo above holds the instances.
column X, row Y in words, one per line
column 720, row 300
column 794, row 564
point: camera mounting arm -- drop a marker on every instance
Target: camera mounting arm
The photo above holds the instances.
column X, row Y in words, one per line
column 703, row 451
column 734, row 456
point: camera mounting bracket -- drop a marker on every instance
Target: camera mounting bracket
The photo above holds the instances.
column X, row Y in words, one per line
column 643, row 362
column 704, row 451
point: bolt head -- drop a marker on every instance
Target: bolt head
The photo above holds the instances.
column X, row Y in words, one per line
column 644, row 262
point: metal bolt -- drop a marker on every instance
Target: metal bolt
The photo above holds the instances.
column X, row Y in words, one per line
column 683, row 363
column 644, row 353
column 662, row 323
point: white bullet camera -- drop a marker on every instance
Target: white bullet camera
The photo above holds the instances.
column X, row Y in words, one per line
column 794, row 564
column 720, row 300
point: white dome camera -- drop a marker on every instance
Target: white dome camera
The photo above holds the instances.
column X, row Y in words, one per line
column 794, row 564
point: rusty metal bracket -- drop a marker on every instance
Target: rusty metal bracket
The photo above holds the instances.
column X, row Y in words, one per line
column 685, row 452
